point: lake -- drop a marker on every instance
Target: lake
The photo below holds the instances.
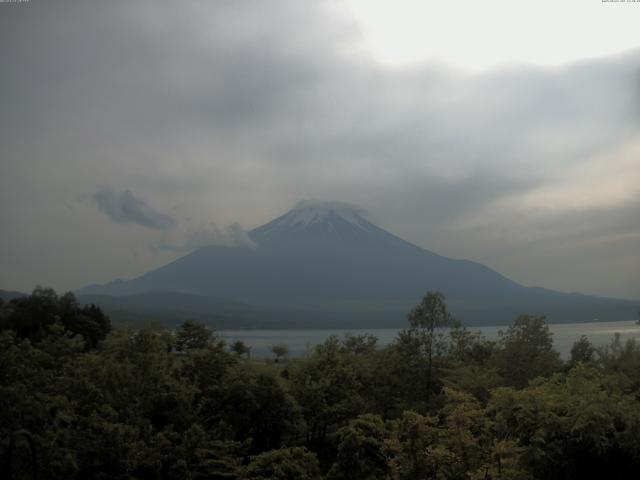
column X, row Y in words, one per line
column 301, row 342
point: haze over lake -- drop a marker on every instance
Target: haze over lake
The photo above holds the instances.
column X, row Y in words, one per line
column 301, row 342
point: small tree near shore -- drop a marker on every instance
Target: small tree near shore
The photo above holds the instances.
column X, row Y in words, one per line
column 241, row 348
column 280, row 351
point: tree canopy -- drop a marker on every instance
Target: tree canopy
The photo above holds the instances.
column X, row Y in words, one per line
column 150, row 403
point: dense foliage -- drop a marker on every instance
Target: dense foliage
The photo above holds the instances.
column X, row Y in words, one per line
column 439, row 403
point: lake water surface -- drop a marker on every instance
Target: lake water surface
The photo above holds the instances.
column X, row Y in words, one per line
column 301, row 342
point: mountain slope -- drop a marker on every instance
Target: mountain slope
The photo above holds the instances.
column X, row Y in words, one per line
column 7, row 295
column 325, row 257
column 172, row 308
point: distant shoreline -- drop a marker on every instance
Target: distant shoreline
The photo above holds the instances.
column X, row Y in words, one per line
column 299, row 341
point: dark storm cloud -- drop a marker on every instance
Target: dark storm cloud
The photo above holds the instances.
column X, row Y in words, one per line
column 124, row 207
column 234, row 111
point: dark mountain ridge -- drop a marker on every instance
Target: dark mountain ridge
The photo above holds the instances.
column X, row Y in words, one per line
column 327, row 258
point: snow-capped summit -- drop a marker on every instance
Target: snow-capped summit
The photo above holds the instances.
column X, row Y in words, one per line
column 308, row 212
column 318, row 218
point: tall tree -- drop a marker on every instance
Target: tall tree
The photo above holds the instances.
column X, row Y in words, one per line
column 192, row 335
column 527, row 351
column 582, row 351
column 240, row 348
column 281, row 351
column 427, row 320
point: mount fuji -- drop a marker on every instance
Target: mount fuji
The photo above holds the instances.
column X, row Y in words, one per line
column 322, row 264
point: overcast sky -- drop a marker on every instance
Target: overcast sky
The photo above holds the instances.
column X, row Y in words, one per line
column 132, row 131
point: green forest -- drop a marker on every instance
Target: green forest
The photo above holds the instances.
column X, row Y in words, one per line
column 80, row 399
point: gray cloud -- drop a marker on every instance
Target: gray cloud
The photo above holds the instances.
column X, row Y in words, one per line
column 125, row 207
column 234, row 111
column 208, row 235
